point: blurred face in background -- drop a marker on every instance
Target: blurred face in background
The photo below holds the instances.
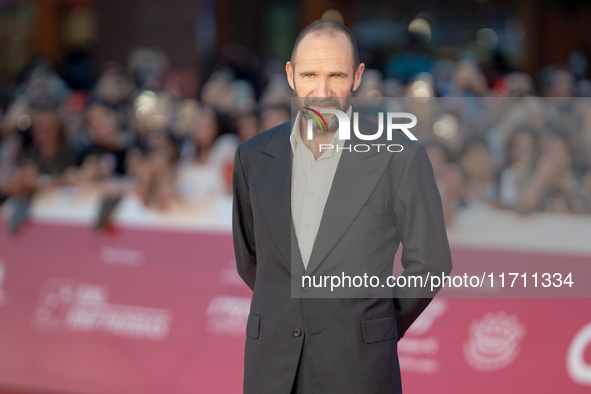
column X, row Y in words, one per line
column 102, row 123
column 522, row 147
column 322, row 73
column 476, row 162
column 46, row 130
column 206, row 128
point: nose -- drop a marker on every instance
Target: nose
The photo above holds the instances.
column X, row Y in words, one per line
column 323, row 88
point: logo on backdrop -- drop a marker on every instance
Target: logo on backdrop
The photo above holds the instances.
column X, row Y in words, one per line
column 121, row 256
column 66, row 305
column 344, row 130
column 494, row 341
column 228, row 315
column 579, row 369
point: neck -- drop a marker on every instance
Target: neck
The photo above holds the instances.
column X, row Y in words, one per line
column 317, row 139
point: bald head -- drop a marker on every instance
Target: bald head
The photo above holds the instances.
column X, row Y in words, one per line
column 333, row 29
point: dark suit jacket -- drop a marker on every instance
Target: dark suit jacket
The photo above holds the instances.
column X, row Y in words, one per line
column 376, row 202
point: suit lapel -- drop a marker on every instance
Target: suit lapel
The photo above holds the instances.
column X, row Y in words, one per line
column 274, row 184
column 356, row 177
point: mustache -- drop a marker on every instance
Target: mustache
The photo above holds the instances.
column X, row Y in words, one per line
column 322, row 102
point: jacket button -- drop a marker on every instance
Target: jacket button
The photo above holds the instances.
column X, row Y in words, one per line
column 297, row 332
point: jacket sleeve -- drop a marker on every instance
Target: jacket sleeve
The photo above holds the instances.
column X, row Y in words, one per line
column 425, row 249
column 242, row 224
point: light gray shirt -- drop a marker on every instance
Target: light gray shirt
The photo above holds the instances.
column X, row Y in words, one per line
column 311, row 180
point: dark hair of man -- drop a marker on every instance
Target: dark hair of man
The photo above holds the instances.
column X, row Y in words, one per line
column 328, row 27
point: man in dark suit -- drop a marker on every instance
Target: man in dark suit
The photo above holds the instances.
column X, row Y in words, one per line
column 300, row 210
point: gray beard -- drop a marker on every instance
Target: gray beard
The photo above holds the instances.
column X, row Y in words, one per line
column 331, row 120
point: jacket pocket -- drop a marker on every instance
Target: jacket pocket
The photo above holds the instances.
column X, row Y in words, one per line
column 380, row 328
column 253, row 326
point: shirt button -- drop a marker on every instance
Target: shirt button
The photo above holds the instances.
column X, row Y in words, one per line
column 297, row 332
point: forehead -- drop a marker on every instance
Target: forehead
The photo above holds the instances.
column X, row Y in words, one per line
column 324, row 48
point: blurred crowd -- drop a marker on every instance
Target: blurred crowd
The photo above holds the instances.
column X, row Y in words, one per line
column 508, row 140
column 132, row 132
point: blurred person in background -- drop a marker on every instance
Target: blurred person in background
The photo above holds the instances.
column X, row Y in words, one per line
column 206, row 157
column 73, row 113
column 412, row 60
column 274, row 115
column 372, row 84
column 522, row 152
column 114, row 88
column 554, row 185
column 557, row 85
column 531, row 113
column 155, row 170
column 583, row 142
column 468, row 81
column 148, row 67
column 218, row 91
column 476, row 163
column 587, row 189
column 105, row 154
column 276, row 93
column 48, row 161
column 49, row 151
column 464, row 99
column 247, row 125
column 556, row 81
column 442, row 70
column 42, row 87
column 11, row 142
column 449, row 178
column 518, row 84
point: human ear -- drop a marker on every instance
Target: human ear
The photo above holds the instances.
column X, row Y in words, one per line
column 289, row 70
column 358, row 74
